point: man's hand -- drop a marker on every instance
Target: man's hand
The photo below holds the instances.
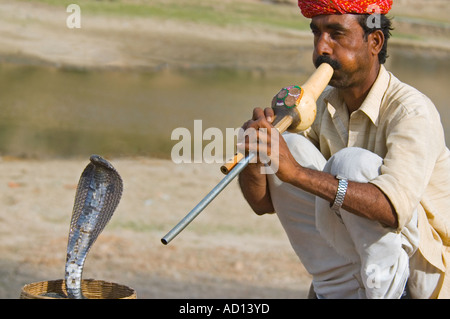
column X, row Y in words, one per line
column 267, row 142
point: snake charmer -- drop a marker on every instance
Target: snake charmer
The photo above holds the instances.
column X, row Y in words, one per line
column 364, row 193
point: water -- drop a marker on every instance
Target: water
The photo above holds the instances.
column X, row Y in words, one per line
column 48, row 112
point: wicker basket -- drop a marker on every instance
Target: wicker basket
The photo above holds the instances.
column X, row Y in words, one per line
column 92, row 289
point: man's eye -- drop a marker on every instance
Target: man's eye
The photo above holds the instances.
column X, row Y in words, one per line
column 337, row 34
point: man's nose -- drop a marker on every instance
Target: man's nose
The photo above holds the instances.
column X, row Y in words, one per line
column 323, row 45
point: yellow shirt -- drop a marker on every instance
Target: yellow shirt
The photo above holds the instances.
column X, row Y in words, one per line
column 401, row 125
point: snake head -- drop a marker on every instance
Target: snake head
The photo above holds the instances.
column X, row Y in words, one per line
column 100, row 161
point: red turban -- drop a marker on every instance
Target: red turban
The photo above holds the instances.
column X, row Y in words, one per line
column 312, row 8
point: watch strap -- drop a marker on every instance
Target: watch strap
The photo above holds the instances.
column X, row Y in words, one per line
column 340, row 194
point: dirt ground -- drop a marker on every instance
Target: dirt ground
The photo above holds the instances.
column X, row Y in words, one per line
column 227, row 252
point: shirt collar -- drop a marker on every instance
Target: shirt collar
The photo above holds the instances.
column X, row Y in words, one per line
column 372, row 103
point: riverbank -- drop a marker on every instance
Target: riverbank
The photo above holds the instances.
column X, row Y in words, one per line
column 125, row 35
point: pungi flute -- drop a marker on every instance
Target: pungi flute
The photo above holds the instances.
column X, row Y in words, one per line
column 295, row 111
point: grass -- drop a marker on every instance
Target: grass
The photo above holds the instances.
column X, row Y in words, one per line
column 274, row 15
column 213, row 12
column 237, row 13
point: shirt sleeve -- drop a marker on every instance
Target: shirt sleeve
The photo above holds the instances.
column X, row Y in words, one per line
column 414, row 137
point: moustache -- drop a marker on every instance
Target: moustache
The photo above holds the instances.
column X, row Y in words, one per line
column 326, row 59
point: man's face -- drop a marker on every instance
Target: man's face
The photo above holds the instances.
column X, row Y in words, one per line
column 341, row 38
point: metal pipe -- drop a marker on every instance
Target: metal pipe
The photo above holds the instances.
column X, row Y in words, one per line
column 207, row 199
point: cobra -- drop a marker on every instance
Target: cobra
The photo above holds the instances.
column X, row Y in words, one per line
column 98, row 194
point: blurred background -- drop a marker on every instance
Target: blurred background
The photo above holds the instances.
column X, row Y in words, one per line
column 118, row 86
column 136, row 69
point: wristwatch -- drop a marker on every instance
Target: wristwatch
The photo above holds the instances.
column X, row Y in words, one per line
column 340, row 195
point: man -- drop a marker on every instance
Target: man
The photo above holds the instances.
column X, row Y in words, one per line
column 364, row 194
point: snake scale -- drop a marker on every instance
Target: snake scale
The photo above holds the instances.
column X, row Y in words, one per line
column 98, row 194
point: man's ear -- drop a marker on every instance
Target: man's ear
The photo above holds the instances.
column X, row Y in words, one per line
column 376, row 41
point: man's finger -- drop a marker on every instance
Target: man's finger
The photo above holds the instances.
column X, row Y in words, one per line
column 257, row 113
column 269, row 114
